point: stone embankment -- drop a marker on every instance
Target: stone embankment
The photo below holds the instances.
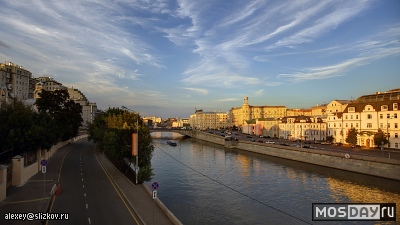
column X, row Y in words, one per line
column 380, row 167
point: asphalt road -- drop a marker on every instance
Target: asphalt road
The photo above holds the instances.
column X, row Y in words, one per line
column 88, row 195
column 394, row 154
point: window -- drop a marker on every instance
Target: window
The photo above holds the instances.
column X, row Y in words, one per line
column 369, row 125
column 351, row 117
column 384, row 108
column 381, row 116
column 395, row 125
column 346, row 124
column 381, row 125
column 351, row 125
column 396, row 145
column 356, row 124
column 396, row 135
column 395, row 115
column 346, row 117
column 388, row 115
column 352, row 109
column 369, row 116
column 395, row 106
column 356, row 117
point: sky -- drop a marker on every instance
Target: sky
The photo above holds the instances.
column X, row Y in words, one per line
column 167, row 58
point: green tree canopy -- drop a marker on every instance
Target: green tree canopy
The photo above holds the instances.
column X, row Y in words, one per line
column 24, row 130
column 66, row 113
column 380, row 137
column 112, row 132
column 352, row 136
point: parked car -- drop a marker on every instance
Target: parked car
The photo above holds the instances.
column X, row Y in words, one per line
column 338, row 144
column 326, row 143
column 270, row 142
column 260, row 141
column 356, row 146
column 295, row 145
column 307, row 146
column 248, row 136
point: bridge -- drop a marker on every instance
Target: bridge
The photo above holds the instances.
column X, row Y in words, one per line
column 179, row 131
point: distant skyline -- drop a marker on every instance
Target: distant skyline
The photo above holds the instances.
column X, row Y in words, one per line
column 166, row 58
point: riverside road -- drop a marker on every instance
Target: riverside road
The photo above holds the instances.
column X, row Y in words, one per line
column 87, row 193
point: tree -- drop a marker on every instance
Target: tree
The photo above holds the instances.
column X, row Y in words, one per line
column 112, row 132
column 330, row 138
column 352, row 136
column 23, row 130
column 380, row 137
column 66, row 113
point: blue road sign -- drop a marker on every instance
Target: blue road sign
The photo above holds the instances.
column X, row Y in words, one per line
column 154, row 185
column 43, row 162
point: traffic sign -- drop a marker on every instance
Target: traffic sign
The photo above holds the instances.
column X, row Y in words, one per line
column 43, row 162
column 154, row 194
column 43, row 169
column 155, row 185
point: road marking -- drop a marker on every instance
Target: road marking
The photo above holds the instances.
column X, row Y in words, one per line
column 84, row 194
column 83, row 186
column 115, row 188
column 89, row 221
column 82, row 179
column 32, row 200
column 58, row 181
column 87, row 206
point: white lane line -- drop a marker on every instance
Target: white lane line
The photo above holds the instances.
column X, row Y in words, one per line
column 84, row 194
column 87, row 206
column 89, row 221
column 82, row 179
column 83, row 186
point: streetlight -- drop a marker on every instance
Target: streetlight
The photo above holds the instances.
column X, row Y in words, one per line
column 387, row 131
column 137, row 154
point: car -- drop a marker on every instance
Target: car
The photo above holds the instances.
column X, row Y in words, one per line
column 248, row 136
column 260, row 141
column 307, row 146
column 284, row 144
column 326, row 143
column 338, row 144
column 269, row 142
column 295, row 145
column 356, row 146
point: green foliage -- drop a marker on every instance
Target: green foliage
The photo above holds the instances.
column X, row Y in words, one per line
column 112, row 132
column 66, row 113
column 380, row 137
column 330, row 138
column 352, row 136
column 24, row 130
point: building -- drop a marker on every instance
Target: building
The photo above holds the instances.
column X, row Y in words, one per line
column 208, row 120
column 89, row 109
column 47, row 84
column 239, row 115
column 15, row 82
column 305, row 128
column 334, row 120
column 367, row 115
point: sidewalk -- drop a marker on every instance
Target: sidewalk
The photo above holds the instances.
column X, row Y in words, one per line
column 138, row 197
column 34, row 195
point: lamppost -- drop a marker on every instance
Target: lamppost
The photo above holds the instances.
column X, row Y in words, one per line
column 137, row 154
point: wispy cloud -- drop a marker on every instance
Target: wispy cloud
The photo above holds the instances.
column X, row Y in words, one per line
column 198, row 90
column 227, row 100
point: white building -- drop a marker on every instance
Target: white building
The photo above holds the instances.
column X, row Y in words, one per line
column 369, row 113
column 305, row 128
column 15, row 82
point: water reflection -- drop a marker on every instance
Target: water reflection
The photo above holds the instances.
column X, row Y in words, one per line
column 206, row 184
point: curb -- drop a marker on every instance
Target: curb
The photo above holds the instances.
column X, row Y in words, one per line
column 169, row 214
column 130, row 203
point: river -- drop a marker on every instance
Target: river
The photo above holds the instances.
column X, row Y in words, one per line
column 204, row 183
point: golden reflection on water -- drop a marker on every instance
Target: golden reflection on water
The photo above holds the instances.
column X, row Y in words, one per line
column 361, row 194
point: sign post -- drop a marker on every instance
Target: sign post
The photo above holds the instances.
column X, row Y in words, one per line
column 44, row 164
column 154, row 186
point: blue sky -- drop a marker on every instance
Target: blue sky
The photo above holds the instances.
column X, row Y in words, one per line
column 165, row 57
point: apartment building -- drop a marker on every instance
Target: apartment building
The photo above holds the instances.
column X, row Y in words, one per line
column 208, row 120
column 15, row 82
column 367, row 115
column 89, row 109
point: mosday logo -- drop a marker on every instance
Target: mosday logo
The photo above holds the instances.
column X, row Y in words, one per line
column 354, row 211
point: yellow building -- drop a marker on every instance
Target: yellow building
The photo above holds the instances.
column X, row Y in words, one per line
column 239, row 115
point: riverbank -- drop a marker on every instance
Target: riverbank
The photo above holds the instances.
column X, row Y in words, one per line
column 374, row 166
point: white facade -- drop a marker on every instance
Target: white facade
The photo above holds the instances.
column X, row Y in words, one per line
column 302, row 128
column 15, row 82
column 88, row 108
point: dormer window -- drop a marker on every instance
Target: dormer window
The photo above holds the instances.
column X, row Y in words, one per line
column 352, row 109
column 395, row 106
column 384, row 108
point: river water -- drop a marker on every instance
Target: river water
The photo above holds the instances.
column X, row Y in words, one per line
column 204, row 183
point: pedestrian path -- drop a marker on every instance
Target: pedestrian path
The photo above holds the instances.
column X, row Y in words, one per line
column 34, row 195
column 137, row 196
